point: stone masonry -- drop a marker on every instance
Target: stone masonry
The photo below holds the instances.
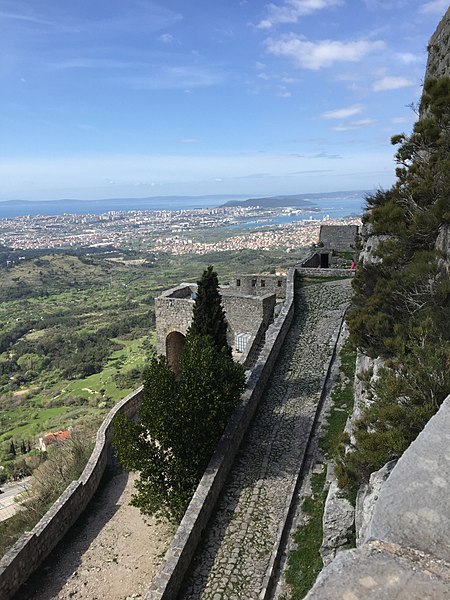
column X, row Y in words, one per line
column 339, row 237
column 259, row 285
column 438, row 64
column 245, row 313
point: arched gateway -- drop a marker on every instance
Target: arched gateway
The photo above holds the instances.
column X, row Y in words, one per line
column 174, row 346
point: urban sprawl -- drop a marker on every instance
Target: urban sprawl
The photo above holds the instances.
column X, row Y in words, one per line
column 171, row 231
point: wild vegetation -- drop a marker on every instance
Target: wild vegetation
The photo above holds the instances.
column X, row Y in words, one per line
column 52, row 473
column 401, row 307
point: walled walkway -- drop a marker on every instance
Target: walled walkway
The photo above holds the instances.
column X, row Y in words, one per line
column 235, row 555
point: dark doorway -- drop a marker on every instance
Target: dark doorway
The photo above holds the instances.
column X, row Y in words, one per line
column 174, row 345
column 324, row 261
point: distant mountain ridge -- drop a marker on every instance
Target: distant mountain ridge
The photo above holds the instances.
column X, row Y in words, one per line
column 308, row 202
column 19, row 202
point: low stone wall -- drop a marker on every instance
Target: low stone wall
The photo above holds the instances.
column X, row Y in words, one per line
column 179, row 556
column 311, row 272
column 33, row 547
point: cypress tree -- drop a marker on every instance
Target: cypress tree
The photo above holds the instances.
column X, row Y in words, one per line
column 208, row 315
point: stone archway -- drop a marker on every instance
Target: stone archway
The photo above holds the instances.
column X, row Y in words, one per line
column 174, row 345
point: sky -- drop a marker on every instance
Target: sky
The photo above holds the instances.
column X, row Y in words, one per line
column 135, row 98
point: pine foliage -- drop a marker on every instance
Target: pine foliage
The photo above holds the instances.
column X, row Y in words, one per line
column 401, row 307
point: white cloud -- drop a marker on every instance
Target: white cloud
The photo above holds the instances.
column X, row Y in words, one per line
column 189, row 141
column 134, row 15
column 399, row 120
column 284, row 94
column 391, row 83
column 171, row 78
column 434, row 7
column 408, row 58
column 342, row 113
column 166, row 38
column 318, row 55
column 386, row 4
column 353, row 125
column 291, row 10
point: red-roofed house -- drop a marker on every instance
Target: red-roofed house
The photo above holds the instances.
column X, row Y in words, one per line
column 57, row 437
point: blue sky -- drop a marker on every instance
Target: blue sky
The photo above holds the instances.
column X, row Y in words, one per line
column 118, row 98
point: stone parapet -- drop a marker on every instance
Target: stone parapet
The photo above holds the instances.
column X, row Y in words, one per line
column 312, row 272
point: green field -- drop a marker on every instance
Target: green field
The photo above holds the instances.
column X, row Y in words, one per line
column 76, row 330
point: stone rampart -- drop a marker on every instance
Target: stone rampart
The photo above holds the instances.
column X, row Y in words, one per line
column 438, row 64
column 245, row 313
column 320, row 258
column 33, row 547
column 339, row 237
column 259, row 285
column 173, row 312
column 311, row 272
column 179, row 556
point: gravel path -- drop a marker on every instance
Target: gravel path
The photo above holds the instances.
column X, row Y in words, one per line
column 235, row 554
column 110, row 554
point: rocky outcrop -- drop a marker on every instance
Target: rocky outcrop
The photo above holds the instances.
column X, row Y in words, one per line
column 338, row 520
column 438, row 64
column 407, row 553
column 366, row 500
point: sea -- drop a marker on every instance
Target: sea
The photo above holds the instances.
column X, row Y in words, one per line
column 334, row 207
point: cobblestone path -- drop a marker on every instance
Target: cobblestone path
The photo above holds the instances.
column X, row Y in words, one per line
column 235, row 554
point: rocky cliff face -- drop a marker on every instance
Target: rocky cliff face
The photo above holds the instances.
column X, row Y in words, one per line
column 367, row 368
column 438, row 64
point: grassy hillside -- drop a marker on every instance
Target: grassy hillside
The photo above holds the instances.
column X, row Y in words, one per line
column 76, row 330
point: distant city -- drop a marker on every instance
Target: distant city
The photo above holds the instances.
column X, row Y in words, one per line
column 185, row 231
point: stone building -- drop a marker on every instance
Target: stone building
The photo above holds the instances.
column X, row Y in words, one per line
column 339, row 237
column 247, row 315
column 259, row 285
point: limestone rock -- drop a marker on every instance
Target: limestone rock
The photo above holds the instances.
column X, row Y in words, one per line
column 338, row 520
column 367, row 496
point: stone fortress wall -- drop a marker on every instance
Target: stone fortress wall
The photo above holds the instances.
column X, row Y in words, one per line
column 339, row 237
column 438, row 64
column 259, row 285
column 245, row 313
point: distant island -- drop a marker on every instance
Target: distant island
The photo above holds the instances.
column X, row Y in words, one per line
column 295, row 200
column 312, row 203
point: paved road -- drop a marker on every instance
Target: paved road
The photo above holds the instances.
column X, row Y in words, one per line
column 8, row 506
column 237, row 547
